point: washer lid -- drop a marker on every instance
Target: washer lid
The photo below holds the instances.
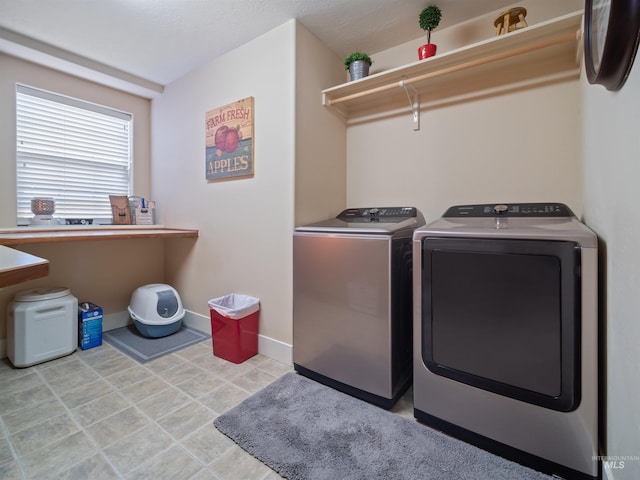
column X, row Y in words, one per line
column 40, row 294
column 372, row 220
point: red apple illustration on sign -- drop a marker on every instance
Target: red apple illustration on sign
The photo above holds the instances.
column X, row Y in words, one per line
column 220, row 135
column 227, row 139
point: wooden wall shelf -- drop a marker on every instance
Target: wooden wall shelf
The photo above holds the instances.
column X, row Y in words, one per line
column 26, row 235
column 17, row 267
column 547, row 50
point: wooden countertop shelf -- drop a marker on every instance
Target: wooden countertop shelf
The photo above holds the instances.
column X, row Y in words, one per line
column 17, row 267
column 25, row 235
column 546, row 51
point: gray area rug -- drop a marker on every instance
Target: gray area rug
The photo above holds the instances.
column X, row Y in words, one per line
column 306, row 431
column 129, row 341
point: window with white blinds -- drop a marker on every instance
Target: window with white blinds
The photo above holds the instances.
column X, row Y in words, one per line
column 76, row 152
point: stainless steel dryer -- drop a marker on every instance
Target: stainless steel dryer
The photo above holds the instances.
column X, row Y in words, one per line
column 352, row 301
column 506, row 333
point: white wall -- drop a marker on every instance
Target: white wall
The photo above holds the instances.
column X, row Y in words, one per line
column 245, row 224
column 611, row 156
column 521, row 146
column 477, row 152
column 16, row 71
column 105, row 273
column 320, row 181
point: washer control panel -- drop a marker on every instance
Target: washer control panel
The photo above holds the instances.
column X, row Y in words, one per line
column 386, row 214
column 510, row 210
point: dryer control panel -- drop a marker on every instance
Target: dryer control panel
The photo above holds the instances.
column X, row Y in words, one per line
column 510, row 210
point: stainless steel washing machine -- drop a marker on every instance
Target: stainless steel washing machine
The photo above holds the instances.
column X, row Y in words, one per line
column 506, row 333
column 352, row 301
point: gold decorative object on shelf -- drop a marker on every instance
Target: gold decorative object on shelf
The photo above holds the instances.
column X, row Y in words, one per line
column 511, row 20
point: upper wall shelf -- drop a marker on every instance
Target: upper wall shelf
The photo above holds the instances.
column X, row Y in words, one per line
column 545, row 51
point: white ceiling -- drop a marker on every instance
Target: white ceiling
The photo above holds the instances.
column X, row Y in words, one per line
column 161, row 40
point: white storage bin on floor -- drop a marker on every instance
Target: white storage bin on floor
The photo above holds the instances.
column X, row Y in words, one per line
column 41, row 325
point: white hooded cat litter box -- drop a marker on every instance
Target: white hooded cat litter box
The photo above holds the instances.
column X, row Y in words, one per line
column 156, row 310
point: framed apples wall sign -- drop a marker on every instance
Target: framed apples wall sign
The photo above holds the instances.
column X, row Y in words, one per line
column 229, row 141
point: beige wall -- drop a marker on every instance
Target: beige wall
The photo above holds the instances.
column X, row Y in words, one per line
column 520, row 147
column 320, row 180
column 611, row 160
column 514, row 146
column 105, row 273
column 18, row 71
column 245, row 224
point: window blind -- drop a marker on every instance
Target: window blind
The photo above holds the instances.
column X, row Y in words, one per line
column 74, row 151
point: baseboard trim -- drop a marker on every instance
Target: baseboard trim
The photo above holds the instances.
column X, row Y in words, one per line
column 116, row 320
column 275, row 349
column 268, row 347
column 197, row 321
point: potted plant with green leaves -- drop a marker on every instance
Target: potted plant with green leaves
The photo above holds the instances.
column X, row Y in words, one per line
column 357, row 64
column 429, row 20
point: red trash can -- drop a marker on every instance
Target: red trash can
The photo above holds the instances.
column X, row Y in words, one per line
column 234, row 326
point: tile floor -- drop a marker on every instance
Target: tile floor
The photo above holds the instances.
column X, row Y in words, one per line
column 97, row 414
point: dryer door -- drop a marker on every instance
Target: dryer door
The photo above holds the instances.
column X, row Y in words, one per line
column 503, row 315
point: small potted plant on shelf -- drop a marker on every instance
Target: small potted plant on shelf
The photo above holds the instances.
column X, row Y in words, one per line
column 358, row 64
column 429, row 20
